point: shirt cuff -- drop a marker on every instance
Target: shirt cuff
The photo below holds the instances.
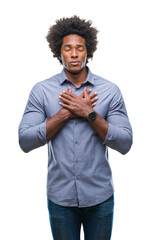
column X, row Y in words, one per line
column 42, row 133
column 111, row 135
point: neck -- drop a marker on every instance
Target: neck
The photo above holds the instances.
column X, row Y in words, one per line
column 77, row 78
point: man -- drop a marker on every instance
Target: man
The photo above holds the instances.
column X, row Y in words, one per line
column 79, row 115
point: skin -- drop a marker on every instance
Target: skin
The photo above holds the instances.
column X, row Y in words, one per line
column 73, row 56
column 55, row 123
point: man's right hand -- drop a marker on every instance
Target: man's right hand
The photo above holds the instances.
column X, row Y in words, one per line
column 92, row 96
column 55, row 123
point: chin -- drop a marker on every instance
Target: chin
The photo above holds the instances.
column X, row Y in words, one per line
column 75, row 70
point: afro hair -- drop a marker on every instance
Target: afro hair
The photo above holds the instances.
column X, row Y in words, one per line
column 73, row 25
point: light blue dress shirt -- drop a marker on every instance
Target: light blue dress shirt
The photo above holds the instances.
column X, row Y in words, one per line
column 79, row 173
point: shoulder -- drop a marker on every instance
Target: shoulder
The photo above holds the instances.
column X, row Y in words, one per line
column 42, row 86
column 106, row 85
column 46, row 82
column 100, row 80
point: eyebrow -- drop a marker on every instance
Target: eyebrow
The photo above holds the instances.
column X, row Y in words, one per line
column 69, row 45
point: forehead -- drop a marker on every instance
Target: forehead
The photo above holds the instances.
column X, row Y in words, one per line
column 73, row 39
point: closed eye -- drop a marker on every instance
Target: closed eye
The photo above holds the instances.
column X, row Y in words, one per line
column 80, row 49
column 67, row 49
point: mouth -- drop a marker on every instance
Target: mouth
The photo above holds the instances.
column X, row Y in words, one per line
column 74, row 63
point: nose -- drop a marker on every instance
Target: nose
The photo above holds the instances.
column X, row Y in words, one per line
column 74, row 53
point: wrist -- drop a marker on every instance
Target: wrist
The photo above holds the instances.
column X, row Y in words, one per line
column 65, row 114
column 92, row 116
column 88, row 111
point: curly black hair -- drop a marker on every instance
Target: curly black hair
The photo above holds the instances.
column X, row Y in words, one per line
column 73, row 25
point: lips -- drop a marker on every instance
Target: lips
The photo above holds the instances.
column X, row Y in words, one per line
column 74, row 63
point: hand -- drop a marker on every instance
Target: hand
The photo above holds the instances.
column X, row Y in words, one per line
column 92, row 96
column 81, row 105
column 71, row 115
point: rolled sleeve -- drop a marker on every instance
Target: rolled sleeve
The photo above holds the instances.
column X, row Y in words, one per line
column 118, row 139
column 32, row 137
column 32, row 129
column 111, row 135
column 119, row 135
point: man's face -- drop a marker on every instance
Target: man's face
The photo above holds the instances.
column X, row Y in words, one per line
column 73, row 53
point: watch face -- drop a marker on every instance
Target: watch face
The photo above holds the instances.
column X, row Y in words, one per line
column 92, row 116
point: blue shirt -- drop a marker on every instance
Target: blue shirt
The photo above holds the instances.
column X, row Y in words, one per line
column 79, row 173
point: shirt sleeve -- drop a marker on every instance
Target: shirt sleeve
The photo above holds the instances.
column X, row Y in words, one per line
column 119, row 135
column 32, row 128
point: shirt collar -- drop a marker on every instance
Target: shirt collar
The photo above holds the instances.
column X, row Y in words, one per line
column 63, row 77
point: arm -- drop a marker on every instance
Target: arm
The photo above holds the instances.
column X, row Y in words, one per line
column 119, row 135
column 54, row 124
column 32, row 128
column 34, row 131
column 82, row 108
column 115, row 131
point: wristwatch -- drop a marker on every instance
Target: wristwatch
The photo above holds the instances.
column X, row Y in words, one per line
column 92, row 116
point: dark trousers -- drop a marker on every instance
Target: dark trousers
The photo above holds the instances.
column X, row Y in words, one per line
column 66, row 222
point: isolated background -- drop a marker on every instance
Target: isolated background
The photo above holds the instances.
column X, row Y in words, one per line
column 123, row 57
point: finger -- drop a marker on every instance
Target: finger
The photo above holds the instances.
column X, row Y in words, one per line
column 66, row 95
column 94, row 99
column 65, row 106
column 81, row 95
column 69, row 90
column 65, row 100
column 89, row 90
column 93, row 94
column 93, row 104
column 85, row 92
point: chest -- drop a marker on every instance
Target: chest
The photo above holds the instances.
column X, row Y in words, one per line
column 51, row 99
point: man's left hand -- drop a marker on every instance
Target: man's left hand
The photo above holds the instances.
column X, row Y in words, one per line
column 81, row 107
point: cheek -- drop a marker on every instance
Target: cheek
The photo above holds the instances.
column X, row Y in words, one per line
column 84, row 58
column 63, row 58
column 64, row 61
column 66, row 58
